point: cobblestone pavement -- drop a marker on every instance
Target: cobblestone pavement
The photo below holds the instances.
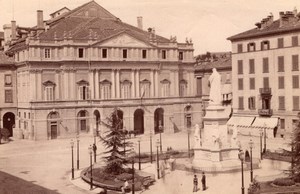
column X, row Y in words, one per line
column 46, row 165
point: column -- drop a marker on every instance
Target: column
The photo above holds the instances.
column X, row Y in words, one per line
column 39, row 85
column 118, row 83
column 193, row 80
column 133, row 83
column 32, row 85
column 189, row 84
column 91, row 82
column 72, row 85
column 176, row 83
column 152, row 83
column 113, row 90
column 97, row 88
column 156, row 83
column 173, row 83
column 57, row 86
column 138, row 83
column 66, row 85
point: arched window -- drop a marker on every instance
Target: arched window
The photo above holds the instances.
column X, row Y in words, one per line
column 49, row 91
column 145, row 88
column 105, row 89
column 125, row 89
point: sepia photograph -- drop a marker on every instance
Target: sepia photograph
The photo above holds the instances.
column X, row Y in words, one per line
column 149, row 96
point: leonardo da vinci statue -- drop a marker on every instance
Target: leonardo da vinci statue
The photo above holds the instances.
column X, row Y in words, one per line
column 214, row 82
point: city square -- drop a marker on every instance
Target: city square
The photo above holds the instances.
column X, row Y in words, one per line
column 95, row 103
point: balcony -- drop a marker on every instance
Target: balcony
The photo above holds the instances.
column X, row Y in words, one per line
column 265, row 91
column 265, row 112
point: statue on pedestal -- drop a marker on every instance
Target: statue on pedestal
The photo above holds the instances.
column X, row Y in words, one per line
column 234, row 136
column 215, row 96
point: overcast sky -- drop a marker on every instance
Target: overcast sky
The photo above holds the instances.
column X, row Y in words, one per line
column 207, row 22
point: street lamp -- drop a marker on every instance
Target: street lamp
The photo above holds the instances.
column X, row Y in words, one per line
column 132, row 155
column 160, row 130
column 91, row 167
column 139, row 153
column 151, row 147
column 157, row 158
column 260, row 135
column 72, row 146
column 241, row 157
column 251, row 168
column 77, row 138
column 188, row 132
column 265, row 139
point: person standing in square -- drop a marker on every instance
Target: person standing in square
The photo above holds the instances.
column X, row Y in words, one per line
column 195, row 184
column 203, row 180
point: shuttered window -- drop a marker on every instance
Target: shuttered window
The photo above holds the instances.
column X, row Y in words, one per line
column 281, row 82
column 295, row 102
column 295, row 80
column 251, row 66
column 281, row 101
column 265, row 65
column 241, row 102
column 240, row 67
column 280, row 64
column 295, row 62
column 240, row 84
column 252, row 83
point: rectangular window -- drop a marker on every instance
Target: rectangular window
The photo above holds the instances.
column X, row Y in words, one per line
column 163, row 54
column 280, row 42
column 281, row 82
column 240, row 48
column 251, row 46
column 8, row 96
column 282, row 123
column 265, row 65
column 294, row 40
column 47, row 53
column 265, row 45
column 84, row 92
column 281, row 101
column 266, row 82
column 104, row 53
column 295, row 62
column 241, row 102
column 7, row 80
column 251, row 103
column 180, row 56
column 144, row 54
column 240, row 84
column 240, row 66
column 280, row 64
column 251, row 66
column 24, row 115
column 295, row 102
column 295, row 79
column 124, row 53
column 49, row 93
column 199, row 86
column 80, row 53
column 252, row 83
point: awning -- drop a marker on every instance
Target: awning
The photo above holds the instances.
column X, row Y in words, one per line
column 240, row 121
column 262, row 122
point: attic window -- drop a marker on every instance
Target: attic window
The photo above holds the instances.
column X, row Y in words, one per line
column 265, row 45
column 294, row 40
column 180, row 56
column 80, row 52
column 144, row 53
column 47, row 53
column 104, row 53
column 124, row 53
column 163, row 54
column 251, row 46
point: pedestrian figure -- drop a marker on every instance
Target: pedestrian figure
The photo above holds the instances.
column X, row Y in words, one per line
column 203, row 180
column 95, row 151
column 195, row 184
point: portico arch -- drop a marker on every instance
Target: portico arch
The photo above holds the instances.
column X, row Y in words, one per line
column 139, row 121
column 9, row 122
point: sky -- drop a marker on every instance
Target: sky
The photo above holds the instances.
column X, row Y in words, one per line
column 207, row 22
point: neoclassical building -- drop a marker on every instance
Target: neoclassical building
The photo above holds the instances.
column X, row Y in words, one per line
column 76, row 68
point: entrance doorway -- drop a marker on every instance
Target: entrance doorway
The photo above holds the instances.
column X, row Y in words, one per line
column 9, row 122
column 139, row 121
column 53, row 130
column 82, row 121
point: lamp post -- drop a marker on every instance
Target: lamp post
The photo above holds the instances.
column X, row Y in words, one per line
column 77, row 139
column 91, row 167
column 251, row 167
column 124, row 144
column 151, row 147
column 139, row 153
column 188, row 132
column 157, row 158
column 241, row 157
column 72, row 146
column 265, row 139
column 160, row 141
column 132, row 155
column 95, row 137
column 260, row 135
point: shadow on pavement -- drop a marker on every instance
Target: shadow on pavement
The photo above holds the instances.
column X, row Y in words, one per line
column 10, row 184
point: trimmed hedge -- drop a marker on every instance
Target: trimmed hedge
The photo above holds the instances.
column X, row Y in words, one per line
column 284, row 182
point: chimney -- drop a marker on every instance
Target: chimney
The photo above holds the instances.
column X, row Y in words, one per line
column 40, row 20
column 281, row 15
column 13, row 30
column 140, row 22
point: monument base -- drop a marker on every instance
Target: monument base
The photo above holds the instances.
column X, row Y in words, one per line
column 216, row 160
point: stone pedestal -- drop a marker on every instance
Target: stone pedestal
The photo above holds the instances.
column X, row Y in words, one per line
column 216, row 152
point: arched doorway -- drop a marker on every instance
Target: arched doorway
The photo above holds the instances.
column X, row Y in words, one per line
column 139, row 121
column 159, row 120
column 188, row 117
column 82, row 125
column 117, row 119
column 97, row 121
column 9, row 122
column 52, row 122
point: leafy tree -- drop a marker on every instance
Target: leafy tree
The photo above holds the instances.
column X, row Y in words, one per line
column 295, row 144
column 113, row 140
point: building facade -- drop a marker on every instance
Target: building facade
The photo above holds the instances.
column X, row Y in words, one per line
column 265, row 70
column 75, row 69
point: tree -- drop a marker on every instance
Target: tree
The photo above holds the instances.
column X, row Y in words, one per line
column 295, row 145
column 114, row 143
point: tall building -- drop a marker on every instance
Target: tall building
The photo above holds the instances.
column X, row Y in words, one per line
column 76, row 68
column 265, row 73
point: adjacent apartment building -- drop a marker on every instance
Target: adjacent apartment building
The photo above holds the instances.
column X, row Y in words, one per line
column 76, row 68
column 265, row 70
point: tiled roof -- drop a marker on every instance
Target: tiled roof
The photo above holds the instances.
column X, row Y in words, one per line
column 5, row 60
column 272, row 29
column 219, row 63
